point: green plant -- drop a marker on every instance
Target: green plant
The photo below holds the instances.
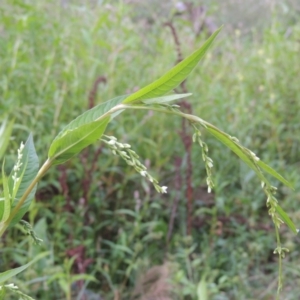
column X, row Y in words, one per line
column 66, row 279
column 5, row 133
column 20, row 186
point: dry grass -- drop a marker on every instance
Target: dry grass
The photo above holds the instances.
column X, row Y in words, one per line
column 155, row 284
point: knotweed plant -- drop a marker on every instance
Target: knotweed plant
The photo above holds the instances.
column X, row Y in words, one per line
column 132, row 159
column 20, row 186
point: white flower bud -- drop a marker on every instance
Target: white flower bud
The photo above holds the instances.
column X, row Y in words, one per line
column 210, row 164
column 111, row 142
column 124, row 154
column 164, row 189
column 112, row 138
column 22, row 146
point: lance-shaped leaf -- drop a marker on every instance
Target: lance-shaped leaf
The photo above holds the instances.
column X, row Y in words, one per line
column 272, row 172
column 236, row 148
column 13, row 272
column 83, row 131
column 165, row 99
column 240, row 151
column 286, row 219
column 26, row 173
column 174, row 77
column 76, row 140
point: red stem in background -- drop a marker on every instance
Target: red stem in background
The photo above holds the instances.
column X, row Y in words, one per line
column 80, row 263
column 186, row 140
column 178, row 185
column 65, row 191
column 93, row 91
column 89, row 168
column 88, row 159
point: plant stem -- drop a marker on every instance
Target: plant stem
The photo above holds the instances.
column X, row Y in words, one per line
column 279, row 262
column 178, row 113
column 45, row 167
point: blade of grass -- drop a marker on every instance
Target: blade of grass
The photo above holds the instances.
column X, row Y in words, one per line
column 10, row 273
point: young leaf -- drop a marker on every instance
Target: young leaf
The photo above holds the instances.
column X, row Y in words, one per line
column 166, row 99
column 27, row 172
column 173, row 77
column 272, row 172
column 10, row 273
column 237, row 149
column 225, row 139
column 286, row 219
column 82, row 132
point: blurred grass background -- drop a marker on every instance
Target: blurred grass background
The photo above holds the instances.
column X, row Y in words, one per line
column 95, row 215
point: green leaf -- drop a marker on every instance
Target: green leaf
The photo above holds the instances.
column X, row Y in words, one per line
column 236, row 148
column 5, row 133
column 174, row 76
column 240, row 151
column 286, row 219
column 27, row 172
column 85, row 277
column 83, row 131
column 166, row 99
column 10, row 273
column 76, row 140
column 202, row 291
column 5, row 203
column 2, row 293
column 243, row 154
column 272, row 172
column 118, row 247
column 15, row 290
column 124, row 211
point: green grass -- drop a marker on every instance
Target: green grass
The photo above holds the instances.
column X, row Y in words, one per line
column 247, row 85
